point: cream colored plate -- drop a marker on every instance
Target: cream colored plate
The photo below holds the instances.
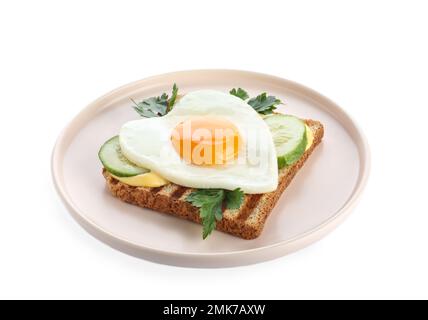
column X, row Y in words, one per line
column 318, row 199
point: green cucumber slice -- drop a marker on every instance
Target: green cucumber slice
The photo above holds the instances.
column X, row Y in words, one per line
column 115, row 162
column 289, row 137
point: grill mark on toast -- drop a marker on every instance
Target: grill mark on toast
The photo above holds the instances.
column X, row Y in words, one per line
column 179, row 192
column 223, row 207
column 249, row 205
column 156, row 189
column 114, row 181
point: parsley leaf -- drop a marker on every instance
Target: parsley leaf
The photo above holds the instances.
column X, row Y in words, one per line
column 234, row 198
column 264, row 104
column 171, row 100
column 210, row 203
column 240, row 93
column 156, row 106
column 152, row 107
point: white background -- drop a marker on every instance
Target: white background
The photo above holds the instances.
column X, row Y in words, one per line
column 371, row 57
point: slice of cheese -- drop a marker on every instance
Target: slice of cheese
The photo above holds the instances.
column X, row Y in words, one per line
column 309, row 137
column 149, row 179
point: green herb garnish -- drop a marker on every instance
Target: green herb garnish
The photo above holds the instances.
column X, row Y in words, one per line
column 171, row 100
column 156, row 106
column 240, row 93
column 263, row 103
column 210, row 203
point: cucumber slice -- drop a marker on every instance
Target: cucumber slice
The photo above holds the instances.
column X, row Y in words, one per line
column 289, row 137
column 115, row 162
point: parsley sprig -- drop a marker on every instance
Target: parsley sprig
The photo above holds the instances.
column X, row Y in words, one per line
column 210, row 203
column 240, row 93
column 263, row 103
column 156, row 106
column 171, row 100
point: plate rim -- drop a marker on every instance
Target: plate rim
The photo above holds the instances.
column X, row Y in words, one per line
column 159, row 255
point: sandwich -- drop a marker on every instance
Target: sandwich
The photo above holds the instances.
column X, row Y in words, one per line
column 220, row 159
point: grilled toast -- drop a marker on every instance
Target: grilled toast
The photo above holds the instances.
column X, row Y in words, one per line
column 246, row 222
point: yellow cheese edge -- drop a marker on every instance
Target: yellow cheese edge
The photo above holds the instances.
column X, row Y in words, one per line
column 149, row 179
column 309, row 137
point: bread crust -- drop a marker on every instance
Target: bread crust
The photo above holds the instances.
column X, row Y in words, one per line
column 247, row 222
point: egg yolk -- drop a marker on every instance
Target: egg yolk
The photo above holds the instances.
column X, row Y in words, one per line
column 206, row 141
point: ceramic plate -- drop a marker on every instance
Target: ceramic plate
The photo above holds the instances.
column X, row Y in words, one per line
column 318, row 199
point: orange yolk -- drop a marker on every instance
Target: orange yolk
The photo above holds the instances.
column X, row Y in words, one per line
column 206, row 141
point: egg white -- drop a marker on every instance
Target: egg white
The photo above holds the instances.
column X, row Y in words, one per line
column 147, row 143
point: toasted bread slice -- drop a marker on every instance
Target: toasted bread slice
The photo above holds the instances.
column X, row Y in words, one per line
column 246, row 222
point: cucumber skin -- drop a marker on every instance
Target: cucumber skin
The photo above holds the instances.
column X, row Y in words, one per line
column 112, row 170
column 291, row 158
